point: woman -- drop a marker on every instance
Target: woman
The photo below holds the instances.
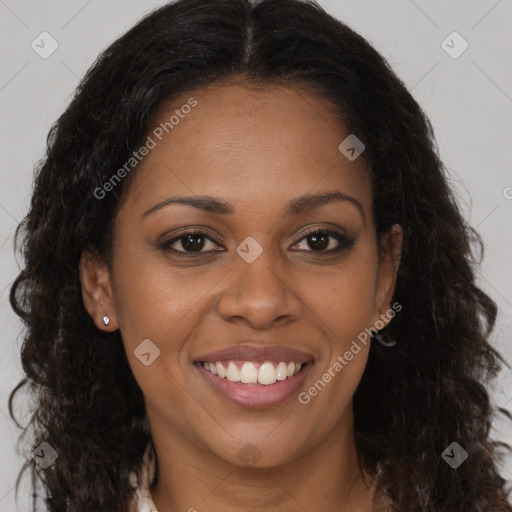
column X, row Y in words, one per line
column 247, row 284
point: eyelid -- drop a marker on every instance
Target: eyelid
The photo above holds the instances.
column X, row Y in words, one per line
column 199, row 230
column 344, row 240
column 329, row 229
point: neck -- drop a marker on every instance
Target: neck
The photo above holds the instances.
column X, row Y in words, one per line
column 328, row 477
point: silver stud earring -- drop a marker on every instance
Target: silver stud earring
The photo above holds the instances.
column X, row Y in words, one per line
column 106, row 320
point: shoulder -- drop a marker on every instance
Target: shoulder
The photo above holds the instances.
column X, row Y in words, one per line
column 141, row 480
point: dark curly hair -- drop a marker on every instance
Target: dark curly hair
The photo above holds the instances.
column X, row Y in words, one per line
column 413, row 401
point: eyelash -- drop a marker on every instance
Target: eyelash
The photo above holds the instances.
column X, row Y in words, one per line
column 344, row 242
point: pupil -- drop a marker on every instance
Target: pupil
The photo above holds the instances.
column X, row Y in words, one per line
column 189, row 244
column 323, row 241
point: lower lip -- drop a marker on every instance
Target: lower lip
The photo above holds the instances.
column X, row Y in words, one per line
column 255, row 395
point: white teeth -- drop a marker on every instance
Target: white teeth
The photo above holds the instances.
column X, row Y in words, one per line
column 266, row 374
column 281, row 371
column 249, row 373
column 233, row 373
column 221, row 371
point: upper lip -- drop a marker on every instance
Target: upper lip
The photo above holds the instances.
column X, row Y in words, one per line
column 256, row 353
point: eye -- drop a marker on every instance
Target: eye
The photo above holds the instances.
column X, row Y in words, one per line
column 326, row 241
column 188, row 242
column 320, row 240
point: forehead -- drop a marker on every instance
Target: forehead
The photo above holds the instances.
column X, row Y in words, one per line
column 245, row 145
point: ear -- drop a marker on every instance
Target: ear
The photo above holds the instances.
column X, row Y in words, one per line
column 389, row 262
column 97, row 291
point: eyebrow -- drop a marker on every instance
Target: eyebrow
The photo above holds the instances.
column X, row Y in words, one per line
column 297, row 206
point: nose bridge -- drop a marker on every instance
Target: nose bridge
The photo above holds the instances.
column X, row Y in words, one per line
column 258, row 289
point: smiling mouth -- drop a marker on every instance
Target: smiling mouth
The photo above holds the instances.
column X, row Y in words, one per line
column 249, row 372
column 264, row 388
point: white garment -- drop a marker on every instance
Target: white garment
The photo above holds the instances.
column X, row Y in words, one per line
column 142, row 481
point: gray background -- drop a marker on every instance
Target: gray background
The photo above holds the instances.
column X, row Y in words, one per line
column 468, row 99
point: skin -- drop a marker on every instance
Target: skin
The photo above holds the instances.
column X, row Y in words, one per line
column 232, row 145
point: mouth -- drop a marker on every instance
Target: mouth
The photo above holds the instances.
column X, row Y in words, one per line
column 248, row 372
column 255, row 377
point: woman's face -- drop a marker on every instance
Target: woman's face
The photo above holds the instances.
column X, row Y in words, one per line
column 253, row 277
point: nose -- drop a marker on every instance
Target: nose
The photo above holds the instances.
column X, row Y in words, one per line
column 259, row 293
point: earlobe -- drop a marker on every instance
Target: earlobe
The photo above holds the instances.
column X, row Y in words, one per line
column 97, row 291
column 389, row 263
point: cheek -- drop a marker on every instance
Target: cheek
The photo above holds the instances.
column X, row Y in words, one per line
column 330, row 394
column 163, row 303
column 345, row 311
column 152, row 295
column 156, row 314
column 344, row 298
